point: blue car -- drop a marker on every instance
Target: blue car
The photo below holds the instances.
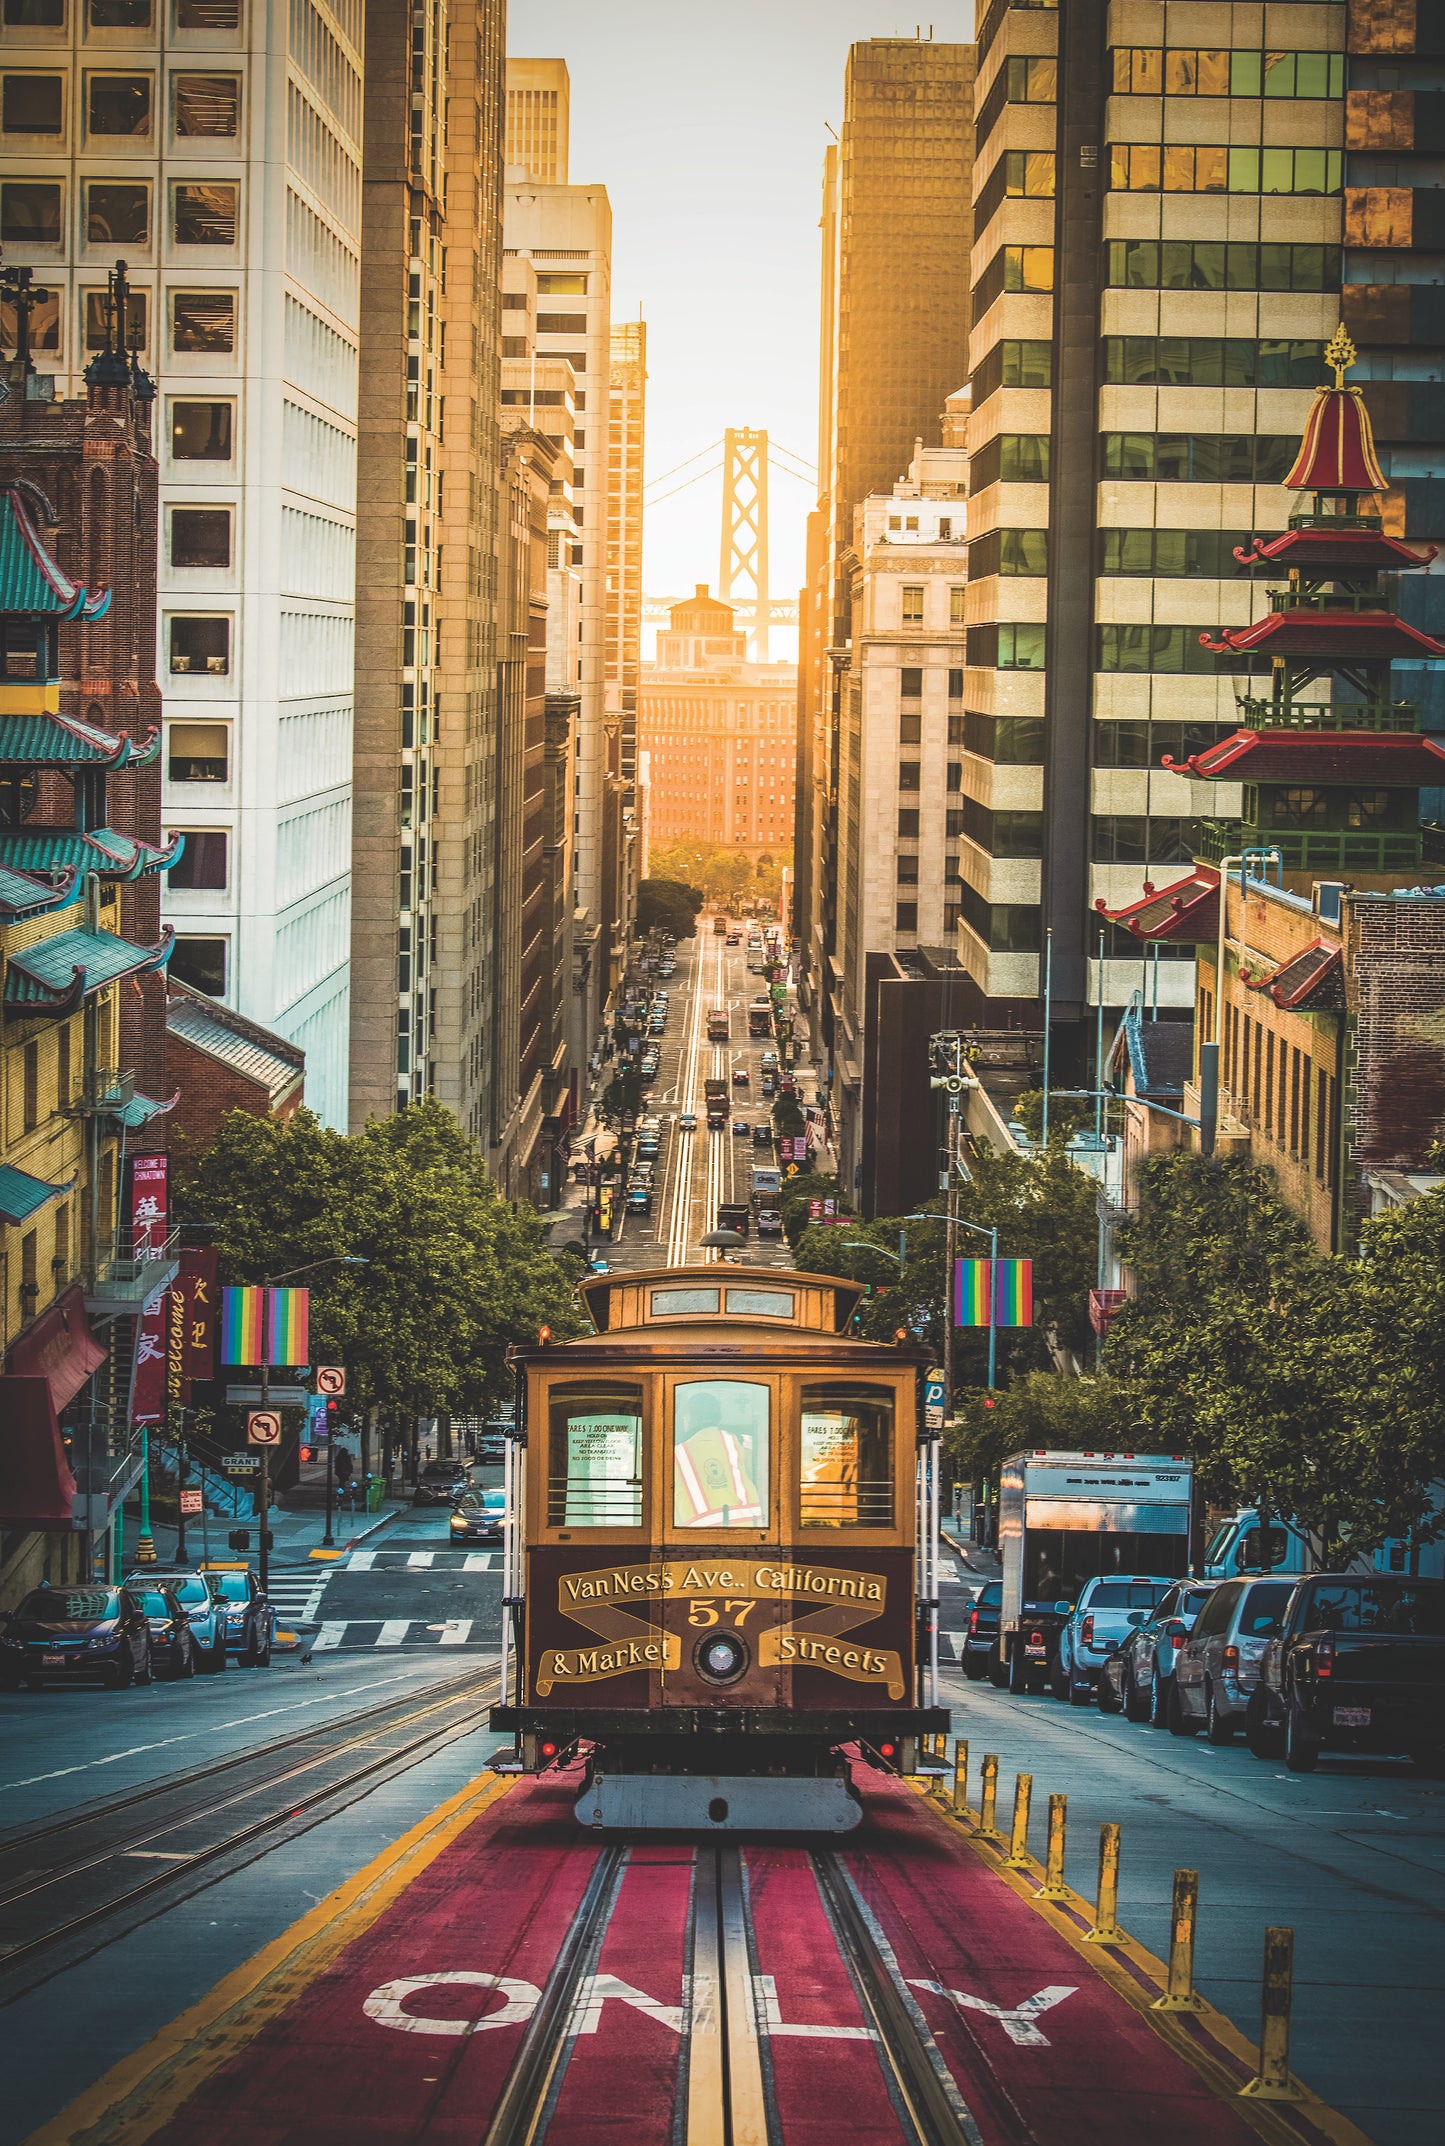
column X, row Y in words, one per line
column 1137, row 1677
column 1102, row 1618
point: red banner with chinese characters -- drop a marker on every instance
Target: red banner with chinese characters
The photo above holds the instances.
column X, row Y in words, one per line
column 149, row 1202
column 197, row 1283
column 148, row 1370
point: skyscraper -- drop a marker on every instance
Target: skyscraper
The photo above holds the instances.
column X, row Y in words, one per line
column 539, row 95
column 626, row 431
column 217, row 148
column 426, row 975
column 896, row 226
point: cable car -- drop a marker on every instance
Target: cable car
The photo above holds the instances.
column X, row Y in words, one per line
column 721, row 1561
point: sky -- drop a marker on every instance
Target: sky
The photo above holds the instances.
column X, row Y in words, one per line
column 706, row 120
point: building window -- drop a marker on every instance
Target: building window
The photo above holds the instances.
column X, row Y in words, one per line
column 1146, row 167
column 198, row 752
column 912, row 602
column 1130, row 838
column 200, row 646
column 908, row 775
column 562, row 324
column 1191, row 553
column 207, row 105
column 1144, row 744
column 203, row 320
column 44, row 322
column 201, row 431
column 120, row 14
column 1010, row 458
column 1200, row 457
column 118, row 105
column 35, row 14
column 1013, row 364
column 201, row 963
column 1008, row 551
column 910, row 681
column 32, row 104
column 1209, row 361
column 204, row 215
column 1158, row 648
column 208, row 14
column 116, row 214
column 562, row 283
column 1149, row 71
column 137, row 319
column 201, row 536
column 1008, row 740
column 1014, row 268
column 29, row 213
column 905, row 916
column 908, row 823
column 30, row 1087
column 910, row 729
column 908, row 871
column 1006, row 647
column 201, row 866
column 1220, row 265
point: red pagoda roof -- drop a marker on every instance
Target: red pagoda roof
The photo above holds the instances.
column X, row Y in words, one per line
column 1317, row 756
column 1189, row 909
column 1311, row 976
column 1337, row 452
column 1325, row 633
column 1323, row 552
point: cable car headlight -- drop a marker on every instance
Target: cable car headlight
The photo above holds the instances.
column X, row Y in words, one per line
column 720, row 1657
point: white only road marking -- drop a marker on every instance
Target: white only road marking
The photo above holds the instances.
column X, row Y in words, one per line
column 394, row 1631
column 1016, row 2020
column 385, row 2005
column 237, row 1721
column 770, row 2018
column 456, row 1631
column 594, row 1989
column 361, row 1561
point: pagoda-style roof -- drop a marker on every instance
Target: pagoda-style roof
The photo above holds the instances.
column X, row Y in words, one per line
column 100, row 850
column 1312, row 978
column 1186, row 910
column 32, row 582
column 1318, row 635
column 22, row 1195
column 57, row 975
column 1337, row 451
column 22, row 895
column 1320, row 552
column 1317, row 756
column 63, row 741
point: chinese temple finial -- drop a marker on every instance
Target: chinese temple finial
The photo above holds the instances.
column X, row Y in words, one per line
column 1337, row 452
column 1340, row 352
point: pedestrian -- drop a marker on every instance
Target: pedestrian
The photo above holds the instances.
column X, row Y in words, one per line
column 344, row 1466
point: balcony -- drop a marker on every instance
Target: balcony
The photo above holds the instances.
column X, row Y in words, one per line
column 1329, row 600
column 1328, row 850
column 1383, row 716
column 130, row 1267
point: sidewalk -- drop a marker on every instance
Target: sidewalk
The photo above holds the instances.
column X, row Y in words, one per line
column 296, row 1534
column 984, row 1562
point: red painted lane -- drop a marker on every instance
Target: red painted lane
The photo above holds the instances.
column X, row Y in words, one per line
column 827, row 2085
column 1080, row 2069
column 357, row 2059
column 623, row 2074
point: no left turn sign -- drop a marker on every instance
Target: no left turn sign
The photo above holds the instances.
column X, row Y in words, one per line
column 263, row 1427
column 330, row 1378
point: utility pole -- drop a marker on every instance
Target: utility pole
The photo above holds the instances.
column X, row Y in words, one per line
column 950, row 1073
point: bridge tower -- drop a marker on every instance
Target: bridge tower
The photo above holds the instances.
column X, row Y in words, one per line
column 743, row 561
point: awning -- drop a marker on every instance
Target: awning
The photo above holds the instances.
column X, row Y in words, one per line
column 22, row 1195
column 59, row 1348
column 36, row 1485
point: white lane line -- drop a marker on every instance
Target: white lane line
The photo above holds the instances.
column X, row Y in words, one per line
column 361, row 1561
column 393, row 1632
column 456, row 1631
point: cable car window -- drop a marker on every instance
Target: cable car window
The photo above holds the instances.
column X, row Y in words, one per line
column 594, row 1467
column 670, row 1303
column 720, row 1454
column 761, row 1303
column 846, row 1453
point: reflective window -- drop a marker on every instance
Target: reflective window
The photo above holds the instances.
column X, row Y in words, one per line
column 761, row 1303
column 846, row 1457
column 720, row 1454
column 674, row 1303
column 594, row 1457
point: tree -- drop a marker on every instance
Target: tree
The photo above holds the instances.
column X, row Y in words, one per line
column 454, row 1275
column 1040, row 1409
column 670, row 905
column 622, row 1097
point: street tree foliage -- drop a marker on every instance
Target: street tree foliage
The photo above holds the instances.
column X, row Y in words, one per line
column 454, row 1275
column 622, row 1097
column 1040, row 1409
column 668, row 905
column 724, row 875
column 1043, row 1208
column 1301, row 1383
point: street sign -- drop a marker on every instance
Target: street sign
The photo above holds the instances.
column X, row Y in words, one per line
column 191, row 1501
column 934, row 1396
column 240, row 1463
column 330, row 1378
column 263, row 1427
column 276, row 1396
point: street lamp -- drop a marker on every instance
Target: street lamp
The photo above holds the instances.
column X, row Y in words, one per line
column 273, row 1281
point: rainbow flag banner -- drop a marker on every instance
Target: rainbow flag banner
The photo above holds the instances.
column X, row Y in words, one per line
column 264, row 1326
column 1013, row 1292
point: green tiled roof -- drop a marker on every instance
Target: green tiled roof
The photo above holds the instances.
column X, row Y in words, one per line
column 22, row 1195
column 142, row 1108
column 45, row 973
column 111, row 855
column 62, row 740
column 22, row 896
column 31, row 581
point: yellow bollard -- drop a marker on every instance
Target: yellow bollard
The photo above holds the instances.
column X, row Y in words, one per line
column 1179, row 1991
column 1106, row 1929
column 1018, row 1847
column 960, row 1774
column 1272, row 2082
column 1053, row 1887
column 988, row 1799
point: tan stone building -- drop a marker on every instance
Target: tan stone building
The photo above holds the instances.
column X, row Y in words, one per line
column 719, row 736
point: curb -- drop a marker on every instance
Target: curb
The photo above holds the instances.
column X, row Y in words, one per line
column 1223, row 2056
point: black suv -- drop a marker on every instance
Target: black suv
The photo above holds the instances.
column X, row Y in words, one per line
column 250, row 1619
column 442, row 1482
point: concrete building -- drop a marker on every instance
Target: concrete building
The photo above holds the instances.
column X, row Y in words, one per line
column 894, row 318
column 217, row 147
column 719, row 735
column 901, row 813
column 565, row 232
column 626, row 436
column 426, row 988
column 539, row 103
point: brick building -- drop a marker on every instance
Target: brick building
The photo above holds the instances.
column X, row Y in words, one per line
column 219, row 1061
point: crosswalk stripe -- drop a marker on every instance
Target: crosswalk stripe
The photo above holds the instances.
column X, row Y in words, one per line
column 329, row 1636
column 456, row 1631
column 361, row 1561
column 478, row 1561
column 420, row 1559
column 394, row 1631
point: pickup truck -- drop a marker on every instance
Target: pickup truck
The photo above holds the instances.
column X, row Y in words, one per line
column 1358, row 1665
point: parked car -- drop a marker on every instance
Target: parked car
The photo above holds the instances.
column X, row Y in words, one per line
column 442, row 1481
column 491, row 1446
column 206, row 1617
column 1217, row 1667
column 770, row 1087
column 173, row 1651
column 770, row 1222
column 478, row 1516
column 980, row 1638
column 1137, row 1676
column 769, row 1058
column 639, row 1200
column 1358, row 1664
column 71, row 1632
column 1102, row 1617
column 763, row 1135
column 648, row 1147
column 250, row 1616
column 687, row 1122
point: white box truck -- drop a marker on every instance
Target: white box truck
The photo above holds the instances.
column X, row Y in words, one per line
column 1064, row 1518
